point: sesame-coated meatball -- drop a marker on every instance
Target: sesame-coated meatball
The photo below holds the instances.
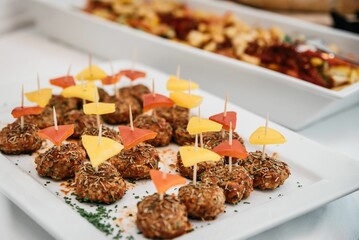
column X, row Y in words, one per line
column 136, row 91
column 80, row 120
column 63, row 104
column 202, row 167
column 202, row 201
column 176, row 116
column 60, row 162
column 43, row 120
column 213, row 139
column 136, row 162
column 122, row 114
column 106, row 132
column 14, row 140
column 162, row 219
column 158, row 125
column 102, row 94
column 268, row 173
column 237, row 184
column 103, row 186
column 182, row 137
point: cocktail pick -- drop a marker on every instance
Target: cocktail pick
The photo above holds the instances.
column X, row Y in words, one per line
column 92, row 72
column 163, row 184
column 265, row 135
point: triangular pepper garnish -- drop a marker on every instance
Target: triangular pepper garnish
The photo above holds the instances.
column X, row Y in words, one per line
column 63, row 82
column 225, row 120
column 132, row 138
column 112, row 79
column 91, row 73
column 57, row 136
column 186, row 100
column 23, row 111
column 260, row 137
column 151, row 101
column 99, row 153
column 99, row 108
column 176, row 84
column 236, row 150
column 162, row 183
column 41, row 97
column 132, row 74
column 192, row 155
column 198, row 125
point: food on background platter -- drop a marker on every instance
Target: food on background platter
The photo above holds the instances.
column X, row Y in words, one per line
column 229, row 36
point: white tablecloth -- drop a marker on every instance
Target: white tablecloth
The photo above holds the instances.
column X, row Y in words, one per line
column 25, row 52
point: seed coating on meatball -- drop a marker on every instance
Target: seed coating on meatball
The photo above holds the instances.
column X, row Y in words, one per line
column 103, row 186
column 176, row 116
column 237, row 184
column 136, row 163
column 158, row 125
column 268, row 173
column 60, row 162
column 106, row 132
column 202, row 201
column 162, row 219
column 14, row 140
column 121, row 114
column 80, row 120
column 135, row 91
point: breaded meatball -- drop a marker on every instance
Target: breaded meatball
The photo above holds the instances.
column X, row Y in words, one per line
column 268, row 173
column 237, row 184
column 80, row 120
column 121, row 114
column 182, row 137
column 103, row 186
column 43, row 120
column 176, row 116
column 158, row 125
column 106, row 132
column 102, row 94
column 202, row 167
column 162, row 219
column 14, row 140
column 63, row 104
column 60, row 162
column 202, row 201
column 136, row 162
column 136, row 91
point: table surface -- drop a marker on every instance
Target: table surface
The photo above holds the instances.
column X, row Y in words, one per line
column 31, row 52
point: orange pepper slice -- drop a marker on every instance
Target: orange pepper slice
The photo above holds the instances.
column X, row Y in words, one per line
column 225, row 120
column 162, row 183
column 131, row 138
column 63, row 82
column 112, row 79
column 23, row 111
column 132, row 74
column 151, row 101
column 57, row 136
column 236, row 150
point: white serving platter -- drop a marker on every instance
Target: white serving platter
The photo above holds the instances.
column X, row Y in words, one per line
column 316, row 180
column 293, row 103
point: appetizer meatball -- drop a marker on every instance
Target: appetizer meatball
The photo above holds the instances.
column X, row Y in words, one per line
column 158, row 125
column 102, row 94
column 63, row 104
column 268, row 173
column 104, row 185
column 163, row 219
column 106, row 132
column 135, row 91
column 202, row 201
column 176, row 116
column 202, row 167
column 237, row 184
column 213, row 139
column 182, row 137
column 80, row 120
column 60, row 162
column 136, row 162
column 43, row 120
column 121, row 114
column 14, row 140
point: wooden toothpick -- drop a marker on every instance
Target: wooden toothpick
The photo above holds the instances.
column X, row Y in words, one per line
column 68, row 71
column 38, row 81
column 22, row 105
column 90, row 64
column 230, row 143
column 178, row 71
column 131, row 119
column 55, row 118
column 199, row 119
column 99, row 134
column 194, row 180
column 265, row 133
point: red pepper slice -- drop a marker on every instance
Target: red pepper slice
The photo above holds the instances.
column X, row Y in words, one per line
column 23, row 111
column 131, row 138
column 132, row 74
column 57, row 136
column 236, row 150
column 112, row 79
column 63, row 82
column 151, row 101
column 225, row 120
column 164, row 182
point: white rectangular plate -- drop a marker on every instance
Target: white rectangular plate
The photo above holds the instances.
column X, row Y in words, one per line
column 319, row 175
